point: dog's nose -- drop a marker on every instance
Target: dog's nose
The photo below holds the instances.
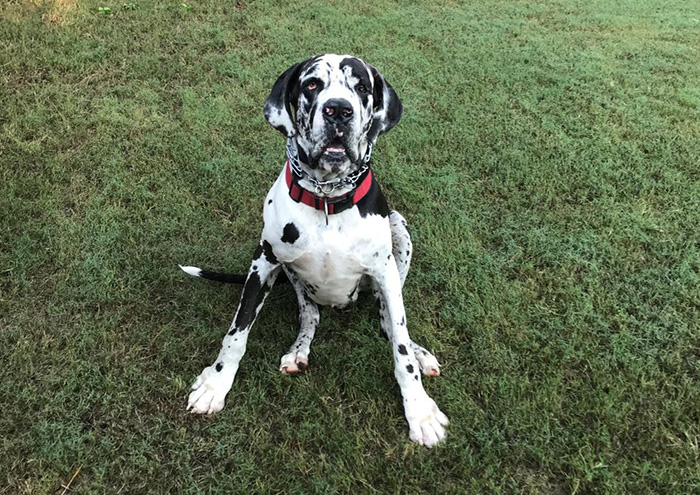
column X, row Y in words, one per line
column 337, row 111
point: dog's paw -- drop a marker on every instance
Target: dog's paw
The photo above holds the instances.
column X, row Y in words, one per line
column 293, row 363
column 209, row 391
column 426, row 422
column 428, row 363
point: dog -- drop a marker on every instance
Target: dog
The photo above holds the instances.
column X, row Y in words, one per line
column 328, row 228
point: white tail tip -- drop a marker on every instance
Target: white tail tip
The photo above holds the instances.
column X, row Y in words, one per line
column 191, row 270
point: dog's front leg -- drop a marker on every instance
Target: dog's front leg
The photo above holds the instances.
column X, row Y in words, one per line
column 210, row 389
column 425, row 421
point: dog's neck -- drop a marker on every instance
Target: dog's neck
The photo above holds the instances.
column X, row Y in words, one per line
column 325, row 185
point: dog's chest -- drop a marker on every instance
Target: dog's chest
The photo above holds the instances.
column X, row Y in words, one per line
column 329, row 259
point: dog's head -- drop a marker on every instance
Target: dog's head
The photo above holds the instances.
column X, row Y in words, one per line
column 333, row 106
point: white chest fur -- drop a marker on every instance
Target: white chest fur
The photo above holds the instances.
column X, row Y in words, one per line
column 329, row 259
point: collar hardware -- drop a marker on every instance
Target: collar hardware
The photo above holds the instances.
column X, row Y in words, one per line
column 360, row 181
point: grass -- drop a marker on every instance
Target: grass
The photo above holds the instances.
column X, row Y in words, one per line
column 547, row 162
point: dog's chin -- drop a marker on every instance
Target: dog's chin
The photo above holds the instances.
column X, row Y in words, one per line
column 335, row 164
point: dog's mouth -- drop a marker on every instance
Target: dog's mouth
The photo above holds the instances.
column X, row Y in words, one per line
column 335, row 157
column 336, row 148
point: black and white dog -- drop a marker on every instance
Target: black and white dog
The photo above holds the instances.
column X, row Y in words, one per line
column 328, row 227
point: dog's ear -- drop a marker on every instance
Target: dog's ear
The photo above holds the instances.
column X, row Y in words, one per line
column 387, row 106
column 278, row 106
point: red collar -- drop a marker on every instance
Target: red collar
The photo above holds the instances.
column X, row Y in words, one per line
column 329, row 205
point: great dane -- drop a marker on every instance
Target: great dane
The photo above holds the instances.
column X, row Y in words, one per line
column 327, row 226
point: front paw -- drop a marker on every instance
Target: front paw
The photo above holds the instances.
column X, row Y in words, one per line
column 426, row 422
column 209, row 391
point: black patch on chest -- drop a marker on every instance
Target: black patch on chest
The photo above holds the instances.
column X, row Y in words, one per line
column 290, row 233
column 373, row 202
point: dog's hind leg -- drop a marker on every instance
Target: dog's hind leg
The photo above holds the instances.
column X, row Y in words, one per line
column 428, row 363
column 401, row 245
column 402, row 249
column 297, row 358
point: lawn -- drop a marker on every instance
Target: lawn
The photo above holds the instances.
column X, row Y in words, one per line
column 548, row 164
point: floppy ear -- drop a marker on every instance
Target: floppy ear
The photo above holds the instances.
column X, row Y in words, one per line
column 278, row 111
column 387, row 107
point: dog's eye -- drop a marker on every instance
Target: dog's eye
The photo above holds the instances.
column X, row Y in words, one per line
column 362, row 88
column 311, row 85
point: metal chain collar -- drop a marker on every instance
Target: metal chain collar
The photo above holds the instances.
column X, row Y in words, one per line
column 327, row 187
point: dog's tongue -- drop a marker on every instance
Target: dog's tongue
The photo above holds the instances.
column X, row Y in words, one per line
column 335, row 149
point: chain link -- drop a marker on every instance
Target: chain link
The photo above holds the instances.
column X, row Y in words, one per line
column 327, row 187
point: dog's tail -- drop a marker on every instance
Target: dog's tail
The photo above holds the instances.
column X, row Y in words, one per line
column 227, row 278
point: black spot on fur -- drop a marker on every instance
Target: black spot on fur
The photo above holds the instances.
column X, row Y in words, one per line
column 269, row 202
column 312, row 112
column 415, row 377
column 402, row 350
column 290, row 233
column 373, row 202
column 359, row 71
column 269, row 255
column 384, row 97
column 219, row 366
column 376, row 255
column 403, row 321
column 409, row 368
column 252, row 297
column 305, row 158
column 258, row 252
column 232, row 331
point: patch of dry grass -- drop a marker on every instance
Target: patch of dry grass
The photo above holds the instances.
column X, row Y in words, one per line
column 54, row 12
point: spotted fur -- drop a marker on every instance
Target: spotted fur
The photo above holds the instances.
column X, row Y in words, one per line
column 331, row 108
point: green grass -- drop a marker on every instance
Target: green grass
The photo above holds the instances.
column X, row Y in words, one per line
column 548, row 163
